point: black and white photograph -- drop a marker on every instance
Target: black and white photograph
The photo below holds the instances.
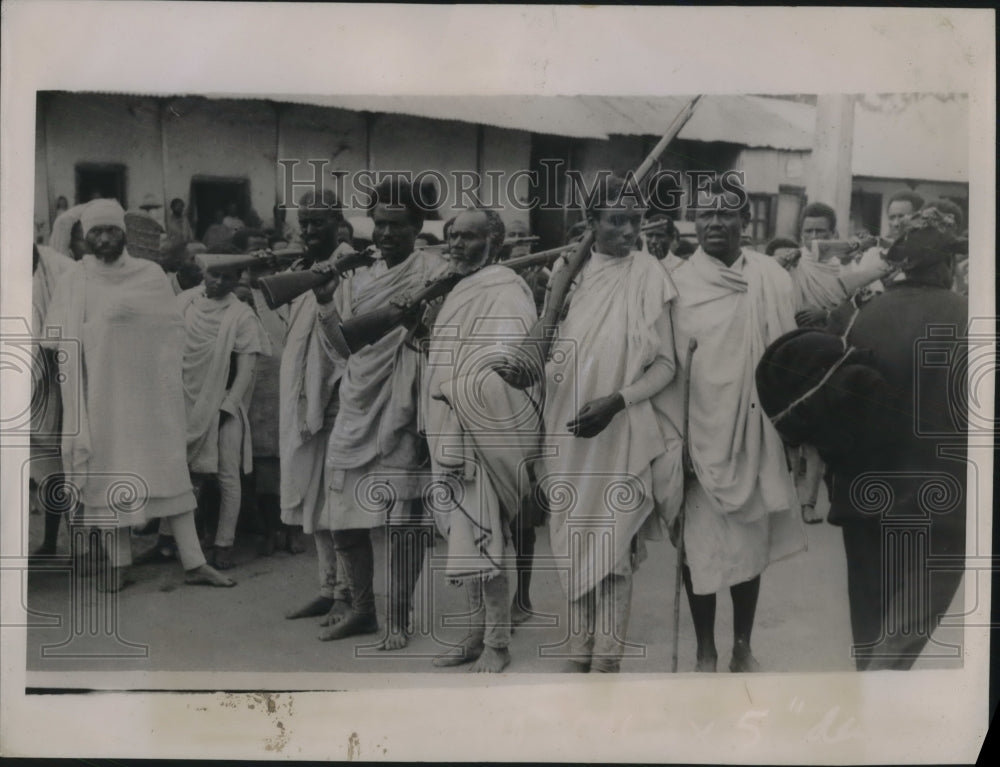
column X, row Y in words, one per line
column 365, row 404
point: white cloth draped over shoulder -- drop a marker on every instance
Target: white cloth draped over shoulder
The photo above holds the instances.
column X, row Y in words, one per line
column 374, row 450
column 307, row 383
column 739, row 459
column 817, row 284
column 601, row 490
column 216, row 328
column 123, row 400
column 481, row 432
column 46, row 412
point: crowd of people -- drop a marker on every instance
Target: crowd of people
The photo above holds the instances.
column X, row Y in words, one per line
column 802, row 369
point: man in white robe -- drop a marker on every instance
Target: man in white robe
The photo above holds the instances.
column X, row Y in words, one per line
column 308, row 378
column 741, row 511
column 47, row 268
column 604, row 453
column 123, row 443
column 375, row 455
column 481, row 433
column 223, row 338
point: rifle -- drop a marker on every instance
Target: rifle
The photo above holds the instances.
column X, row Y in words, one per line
column 279, row 289
column 366, row 329
column 539, row 341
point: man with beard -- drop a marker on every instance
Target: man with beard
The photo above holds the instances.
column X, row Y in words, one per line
column 125, row 398
column 375, row 454
column 222, row 342
column 740, row 507
column 481, row 432
column 601, row 432
column 307, row 383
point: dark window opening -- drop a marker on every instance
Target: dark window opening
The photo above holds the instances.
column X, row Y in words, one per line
column 100, row 180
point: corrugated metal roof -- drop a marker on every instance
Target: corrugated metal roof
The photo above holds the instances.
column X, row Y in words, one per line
column 748, row 120
column 914, row 138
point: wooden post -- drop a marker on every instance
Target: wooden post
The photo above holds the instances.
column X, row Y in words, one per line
column 829, row 178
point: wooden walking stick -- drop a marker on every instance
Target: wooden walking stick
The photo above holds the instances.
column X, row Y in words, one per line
column 688, row 468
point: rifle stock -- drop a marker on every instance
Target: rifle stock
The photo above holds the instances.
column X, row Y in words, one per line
column 358, row 332
column 537, row 345
column 280, row 289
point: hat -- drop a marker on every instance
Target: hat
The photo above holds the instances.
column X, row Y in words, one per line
column 102, row 212
column 228, row 262
column 925, row 241
column 149, row 202
column 794, row 364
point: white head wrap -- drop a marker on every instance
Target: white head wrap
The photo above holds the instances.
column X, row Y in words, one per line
column 102, row 213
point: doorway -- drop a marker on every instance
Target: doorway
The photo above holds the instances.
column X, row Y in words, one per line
column 96, row 180
column 212, row 194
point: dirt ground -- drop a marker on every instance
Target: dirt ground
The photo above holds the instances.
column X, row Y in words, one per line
column 160, row 624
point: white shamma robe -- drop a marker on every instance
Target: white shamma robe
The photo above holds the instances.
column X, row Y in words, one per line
column 741, row 511
column 601, row 490
column 123, row 398
column 481, row 432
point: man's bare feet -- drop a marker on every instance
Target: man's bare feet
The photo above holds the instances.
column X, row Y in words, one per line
column 354, row 624
column 206, row 575
column 267, row 544
column 810, row 516
column 222, row 558
column 492, row 661
column 395, row 639
column 313, row 608
column 519, row 615
column 706, row 664
column 339, row 610
column 295, row 543
column 115, row 580
column 466, row 651
column 743, row 660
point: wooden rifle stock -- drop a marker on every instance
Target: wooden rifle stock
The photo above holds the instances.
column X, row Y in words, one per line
column 537, row 345
column 365, row 329
column 279, row 289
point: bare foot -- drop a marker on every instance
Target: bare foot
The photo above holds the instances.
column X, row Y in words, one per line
column 519, row 615
column 810, row 516
column 222, row 558
column 117, row 579
column 466, row 651
column 266, row 544
column 295, row 543
column 354, row 624
column 574, row 667
column 395, row 639
column 492, row 661
column 206, row 575
column 743, row 660
column 339, row 610
column 706, row 664
column 318, row 606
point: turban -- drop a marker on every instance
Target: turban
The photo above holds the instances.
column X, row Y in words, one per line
column 102, row 213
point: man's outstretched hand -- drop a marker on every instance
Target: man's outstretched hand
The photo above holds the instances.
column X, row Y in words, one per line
column 595, row 416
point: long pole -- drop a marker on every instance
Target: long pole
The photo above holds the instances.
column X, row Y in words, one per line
column 688, row 470
column 538, row 343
